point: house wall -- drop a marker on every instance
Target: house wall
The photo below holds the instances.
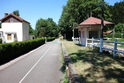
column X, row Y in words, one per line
column 86, row 33
column 25, row 31
column 14, row 28
column 0, row 33
column 97, row 28
column 83, row 36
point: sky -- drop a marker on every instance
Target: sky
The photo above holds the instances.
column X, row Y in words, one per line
column 32, row 10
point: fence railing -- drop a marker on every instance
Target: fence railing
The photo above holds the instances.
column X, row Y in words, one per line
column 100, row 43
column 93, row 42
column 77, row 40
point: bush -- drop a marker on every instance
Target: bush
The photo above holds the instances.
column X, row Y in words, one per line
column 0, row 41
column 116, row 35
column 50, row 38
column 9, row 51
column 119, row 28
column 109, row 35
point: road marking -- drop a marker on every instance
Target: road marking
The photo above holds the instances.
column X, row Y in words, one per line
column 34, row 66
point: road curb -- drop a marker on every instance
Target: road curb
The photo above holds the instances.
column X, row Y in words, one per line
column 71, row 72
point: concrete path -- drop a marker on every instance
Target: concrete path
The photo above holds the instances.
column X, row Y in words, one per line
column 43, row 65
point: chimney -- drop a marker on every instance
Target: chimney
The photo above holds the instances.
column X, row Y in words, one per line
column 5, row 14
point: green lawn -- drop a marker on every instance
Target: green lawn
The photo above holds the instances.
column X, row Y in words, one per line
column 93, row 67
column 120, row 40
column 119, row 46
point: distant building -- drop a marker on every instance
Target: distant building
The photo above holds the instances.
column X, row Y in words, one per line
column 14, row 28
column 90, row 28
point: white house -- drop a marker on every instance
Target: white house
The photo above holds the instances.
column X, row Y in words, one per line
column 14, row 28
column 90, row 28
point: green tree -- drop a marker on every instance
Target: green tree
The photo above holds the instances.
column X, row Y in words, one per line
column 77, row 11
column 16, row 12
column 46, row 28
column 40, row 26
column 31, row 30
column 117, row 12
column 119, row 27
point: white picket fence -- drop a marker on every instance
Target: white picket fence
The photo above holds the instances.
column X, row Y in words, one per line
column 99, row 43
column 93, row 42
column 76, row 40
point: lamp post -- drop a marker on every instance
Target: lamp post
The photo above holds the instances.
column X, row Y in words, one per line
column 102, row 26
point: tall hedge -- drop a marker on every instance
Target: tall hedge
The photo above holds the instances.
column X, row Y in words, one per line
column 0, row 40
column 9, row 51
column 50, row 38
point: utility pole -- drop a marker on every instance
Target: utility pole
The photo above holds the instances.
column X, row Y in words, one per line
column 73, row 29
column 73, row 32
column 102, row 26
column 102, row 19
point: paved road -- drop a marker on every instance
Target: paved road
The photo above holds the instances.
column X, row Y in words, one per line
column 40, row 66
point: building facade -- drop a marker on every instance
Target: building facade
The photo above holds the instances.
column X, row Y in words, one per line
column 14, row 28
column 90, row 28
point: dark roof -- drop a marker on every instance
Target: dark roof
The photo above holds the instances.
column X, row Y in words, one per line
column 94, row 21
column 17, row 17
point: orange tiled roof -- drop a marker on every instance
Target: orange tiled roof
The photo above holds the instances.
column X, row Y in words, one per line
column 108, row 32
column 94, row 21
column 19, row 18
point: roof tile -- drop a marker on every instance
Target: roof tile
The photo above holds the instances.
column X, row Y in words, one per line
column 94, row 21
column 11, row 14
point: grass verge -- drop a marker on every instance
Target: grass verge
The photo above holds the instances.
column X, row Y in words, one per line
column 65, row 79
column 119, row 40
column 95, row 67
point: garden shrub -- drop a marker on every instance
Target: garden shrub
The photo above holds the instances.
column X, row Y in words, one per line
column 116, row 35
column 0, row 40
column 50, row 38
column 9, row 51
column 109, row 35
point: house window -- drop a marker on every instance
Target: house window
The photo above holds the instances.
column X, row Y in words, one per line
column 9, row 36
column 11, row 20
column 93, row 34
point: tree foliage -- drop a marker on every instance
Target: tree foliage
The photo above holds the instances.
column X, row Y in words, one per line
column 31, row 30
column 46, row 28
column 119, row 27
column 118, row 12
column 16, row 12
column 77, row 11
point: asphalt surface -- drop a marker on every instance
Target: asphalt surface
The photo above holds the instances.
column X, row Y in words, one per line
column 43, row 65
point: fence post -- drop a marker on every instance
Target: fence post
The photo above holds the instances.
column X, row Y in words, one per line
column 79, row 40
column 86, row 42
column 115, row 48
column 101, row 45
column 92, row 41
